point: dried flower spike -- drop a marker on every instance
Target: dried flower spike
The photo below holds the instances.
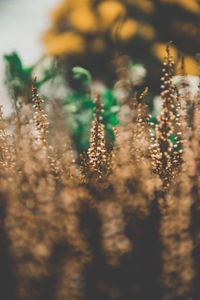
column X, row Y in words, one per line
column 40, row 118
column 97, row 152
column 141, row 134
column 163, row 148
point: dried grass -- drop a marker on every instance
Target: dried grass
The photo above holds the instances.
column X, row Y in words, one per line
column 124, row 225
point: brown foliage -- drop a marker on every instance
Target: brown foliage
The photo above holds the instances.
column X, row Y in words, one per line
column 124, row 225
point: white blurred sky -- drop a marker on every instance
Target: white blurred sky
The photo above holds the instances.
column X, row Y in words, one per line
column 22, row 23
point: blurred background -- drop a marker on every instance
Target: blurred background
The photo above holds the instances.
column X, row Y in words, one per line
column 94, row 32
column 118, row 47
column 22, row 23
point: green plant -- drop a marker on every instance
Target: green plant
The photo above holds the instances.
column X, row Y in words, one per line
column 79, row 106
column 19, row 78
column 77, row 103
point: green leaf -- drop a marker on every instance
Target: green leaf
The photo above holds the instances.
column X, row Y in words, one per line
column 113, row 120
column 108, row 99
column 15, row 69
column 82, row 74
column 17, row 77
column 14, row 64
column 88, row 104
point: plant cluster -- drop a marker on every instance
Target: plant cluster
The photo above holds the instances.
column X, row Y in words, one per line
column 76, row 101
column 123, row 225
